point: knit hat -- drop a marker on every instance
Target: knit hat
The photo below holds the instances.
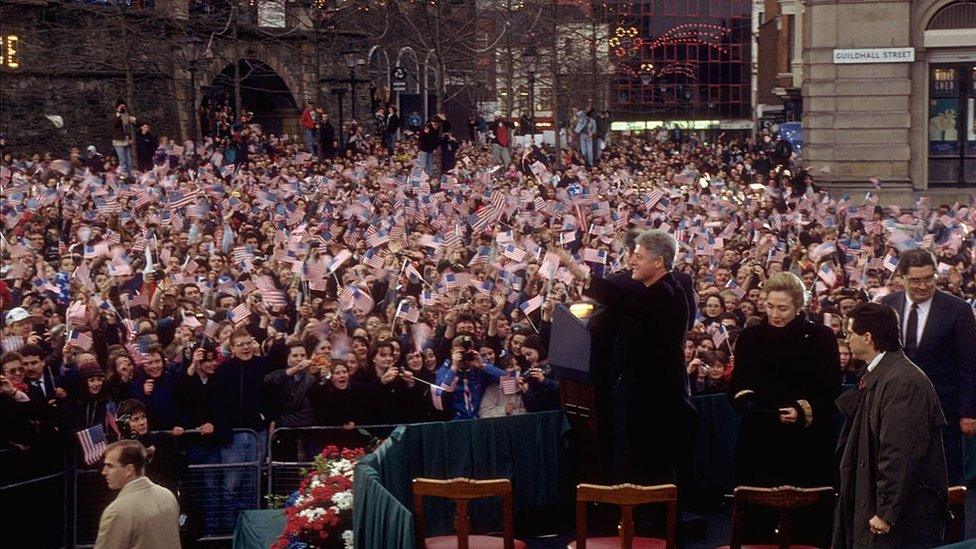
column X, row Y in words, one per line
column 90, row 370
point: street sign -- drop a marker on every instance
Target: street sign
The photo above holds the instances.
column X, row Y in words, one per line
column 398, row 79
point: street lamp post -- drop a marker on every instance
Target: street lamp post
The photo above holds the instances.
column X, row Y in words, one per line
column 194, row 42
column 351, row 57
column 339, row 92
column 531, row 66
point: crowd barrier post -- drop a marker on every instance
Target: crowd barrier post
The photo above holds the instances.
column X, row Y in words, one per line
column 292, row 449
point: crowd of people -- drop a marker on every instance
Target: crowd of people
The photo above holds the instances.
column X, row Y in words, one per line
column 256, row 281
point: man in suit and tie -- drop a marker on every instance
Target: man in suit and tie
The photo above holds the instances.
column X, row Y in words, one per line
column 144, row 515
column 42, row 384
column 939, row 333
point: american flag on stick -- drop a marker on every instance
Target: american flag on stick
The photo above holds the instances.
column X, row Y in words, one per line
column 92, row 441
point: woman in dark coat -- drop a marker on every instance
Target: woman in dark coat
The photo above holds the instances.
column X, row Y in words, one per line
column 786, row 377
column 88, row 406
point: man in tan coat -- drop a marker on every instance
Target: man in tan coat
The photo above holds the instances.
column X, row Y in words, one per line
column 143, row 515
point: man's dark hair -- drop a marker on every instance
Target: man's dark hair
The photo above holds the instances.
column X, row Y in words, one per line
column 880, row 321
column 915, row 257
column 33, row 350
column 131, row 452
column 466, row 317
column 157, row 350
column 130, row 406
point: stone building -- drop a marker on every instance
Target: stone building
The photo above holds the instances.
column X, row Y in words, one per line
column 66, row 64
column 889, row 91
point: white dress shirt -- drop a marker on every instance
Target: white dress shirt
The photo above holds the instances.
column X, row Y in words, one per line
column 923, row 314
column 877, row 359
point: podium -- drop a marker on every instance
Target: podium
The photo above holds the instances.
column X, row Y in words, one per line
column 571, row 355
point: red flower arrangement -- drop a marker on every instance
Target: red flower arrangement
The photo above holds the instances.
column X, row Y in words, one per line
column 319, row 513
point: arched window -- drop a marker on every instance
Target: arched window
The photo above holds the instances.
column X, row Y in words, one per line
column 958, row 15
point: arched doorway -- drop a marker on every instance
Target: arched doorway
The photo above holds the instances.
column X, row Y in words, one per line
column 263, row 92
column 950, row 45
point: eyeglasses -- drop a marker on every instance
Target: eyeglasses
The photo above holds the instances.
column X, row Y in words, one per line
column 921, row 281
column 244, row 343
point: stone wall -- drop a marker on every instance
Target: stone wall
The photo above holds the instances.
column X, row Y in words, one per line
column 85, row 104
column 856, row 117
column 73, row 66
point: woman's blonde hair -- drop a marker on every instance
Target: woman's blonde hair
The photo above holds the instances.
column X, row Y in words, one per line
column 790, row 284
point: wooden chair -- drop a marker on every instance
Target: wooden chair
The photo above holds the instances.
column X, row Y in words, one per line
column 626, row 496
column 785, row 499
column 462, row 491
column 957, row 521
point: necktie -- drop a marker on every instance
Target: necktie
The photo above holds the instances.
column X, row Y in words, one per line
column 40, row 385
column 911, row 331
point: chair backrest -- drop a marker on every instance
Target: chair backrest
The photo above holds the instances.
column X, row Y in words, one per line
column 783, row 498
column 957, row 521
column 626, row 496
column 462, row 491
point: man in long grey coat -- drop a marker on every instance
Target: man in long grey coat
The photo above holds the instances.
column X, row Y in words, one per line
column 893, row 487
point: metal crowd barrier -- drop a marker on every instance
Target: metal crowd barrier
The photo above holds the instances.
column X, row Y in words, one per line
column 292, row 449
column 212, row 493
column 222, row 490
column 24, row 499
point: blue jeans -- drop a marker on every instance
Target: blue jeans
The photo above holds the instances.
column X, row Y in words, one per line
column 125, row 158
column 311, row 140
column 501, row 155
column 426, row 161
column 586, row 148
column 207, row 454
column 236, row 493
column 389, row 141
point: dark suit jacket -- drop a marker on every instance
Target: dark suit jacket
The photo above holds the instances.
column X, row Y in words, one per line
column 50, row 384
column 947, row 351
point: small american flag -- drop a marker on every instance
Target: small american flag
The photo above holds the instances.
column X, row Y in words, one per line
column 736, row 289
column 435, row 395
column 92, row 442
column 827, row 274
column 374, row 260
column 81, row 340
column 508, row 384
column 408, row 312
column 890, row 262
column 211, row 329
column 592, row 255
column 514, row 253
column 352, row 297
column 531, row 305
column 240, row 314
